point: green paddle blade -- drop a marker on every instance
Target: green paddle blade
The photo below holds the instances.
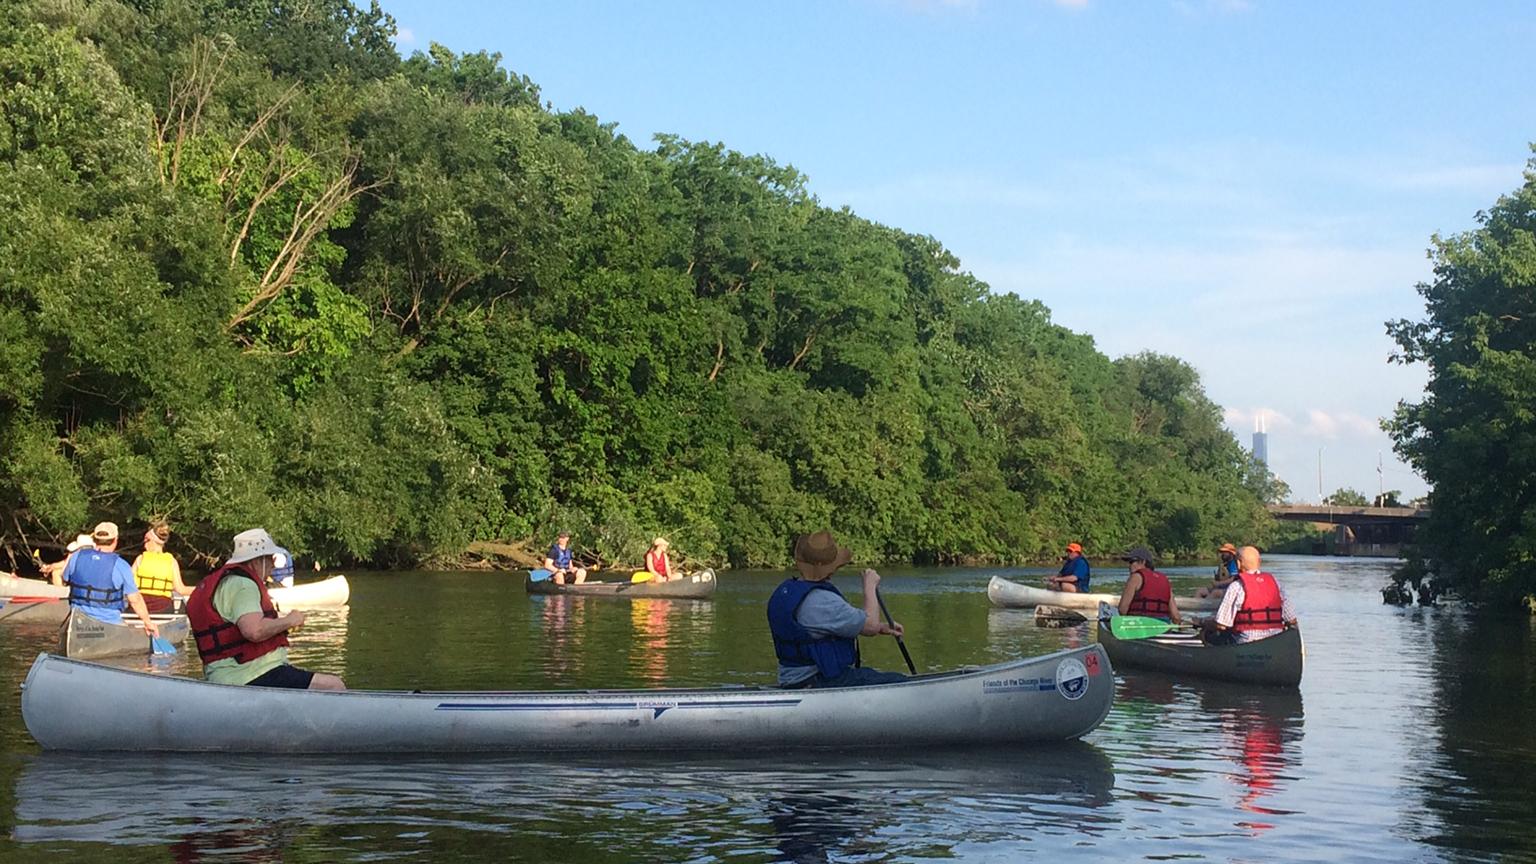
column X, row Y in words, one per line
column 1138, row 626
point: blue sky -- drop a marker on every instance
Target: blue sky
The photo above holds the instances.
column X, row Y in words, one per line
column 1247, row 184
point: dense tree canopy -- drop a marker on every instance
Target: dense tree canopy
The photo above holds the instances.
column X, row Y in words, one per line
column 257, row 269
column 1473, row 436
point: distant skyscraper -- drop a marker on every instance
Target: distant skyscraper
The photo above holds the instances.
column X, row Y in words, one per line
column 1260, row 441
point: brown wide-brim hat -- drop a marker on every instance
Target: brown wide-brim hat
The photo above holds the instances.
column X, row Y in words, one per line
column 818, row 554
column 1228, row 547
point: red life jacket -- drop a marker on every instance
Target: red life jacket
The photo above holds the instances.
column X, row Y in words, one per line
column 1261, row 608
column 658, row 564
column 218, row 639
column 1153, row 595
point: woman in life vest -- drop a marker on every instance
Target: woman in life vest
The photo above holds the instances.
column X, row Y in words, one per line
column 1147, row 591
column 240, row 635
column 156, row 571
column 656, row 561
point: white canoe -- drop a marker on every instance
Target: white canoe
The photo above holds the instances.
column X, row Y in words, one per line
column 15, row 586
column 325, row 594
column 1003, row 592
column 83, row 637
column 1056, row 697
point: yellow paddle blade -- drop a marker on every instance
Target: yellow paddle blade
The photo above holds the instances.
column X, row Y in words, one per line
column 640, row 576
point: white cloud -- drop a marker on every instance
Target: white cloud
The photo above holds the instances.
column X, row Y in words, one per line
column 1071, row 4
column 1217, row 7
column 404, row 36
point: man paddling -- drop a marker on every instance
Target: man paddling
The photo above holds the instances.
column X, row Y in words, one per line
column 240, row 636
column 1073, row 577
column 1147, row 591
column 815, row 631
column 101, row 583
column 1253, row 607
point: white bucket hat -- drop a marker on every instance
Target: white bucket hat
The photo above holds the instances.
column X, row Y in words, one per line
column 254, row 543
column 80, row 542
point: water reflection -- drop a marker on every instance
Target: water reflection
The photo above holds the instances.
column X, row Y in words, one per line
column 816, row 808
column 1261, row 731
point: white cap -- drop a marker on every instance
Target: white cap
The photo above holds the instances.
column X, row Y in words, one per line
column 252, row 544
column 80, row 542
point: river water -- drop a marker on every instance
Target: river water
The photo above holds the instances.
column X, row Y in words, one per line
column 1412, row 739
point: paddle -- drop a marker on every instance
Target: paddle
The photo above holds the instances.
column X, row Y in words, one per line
column 1138, row 626
column 540, row 575
column 641, row 576
column 899, row 644
column 161, row 646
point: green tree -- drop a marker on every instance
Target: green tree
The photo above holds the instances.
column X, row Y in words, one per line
column 1473, row 436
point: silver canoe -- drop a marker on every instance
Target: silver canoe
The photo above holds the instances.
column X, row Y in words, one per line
column 84, row 638
column 1056, row 697
column 1013, row 595
column 15, row 586
column 29, row 611
column 694, row 586
column 1276, row 660
column 325, row 594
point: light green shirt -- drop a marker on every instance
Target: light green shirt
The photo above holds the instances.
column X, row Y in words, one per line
column 237, row 596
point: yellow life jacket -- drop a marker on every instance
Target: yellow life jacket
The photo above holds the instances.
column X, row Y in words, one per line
column 156, row 574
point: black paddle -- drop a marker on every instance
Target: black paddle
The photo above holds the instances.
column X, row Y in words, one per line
column 892, row 624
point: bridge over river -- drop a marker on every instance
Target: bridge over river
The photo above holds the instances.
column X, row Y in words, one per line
column 1357, row 530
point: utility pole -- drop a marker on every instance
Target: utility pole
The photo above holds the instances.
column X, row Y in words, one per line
column 1381, row 483
column 1319, row 475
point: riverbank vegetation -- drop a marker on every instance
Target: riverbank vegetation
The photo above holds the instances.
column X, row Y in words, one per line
column 1473, row 436
column 258, row 269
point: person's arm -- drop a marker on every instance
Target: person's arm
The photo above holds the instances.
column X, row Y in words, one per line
column 1173, row 609
column 1226, row 613
column 180, row 586
column 873, row 625
column 1132, row 584
column 1287, row 611
column 136, row 602
column 255, row 626
column 549, row 564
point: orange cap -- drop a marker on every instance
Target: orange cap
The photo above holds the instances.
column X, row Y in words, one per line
column 1228, row 547
column 1073, row 547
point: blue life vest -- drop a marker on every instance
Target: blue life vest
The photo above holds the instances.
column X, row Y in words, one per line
column 1231, row 566
column 794, row 645
column 90, row 580
column 561, row 557
column 1072, row 568
column 284, row 571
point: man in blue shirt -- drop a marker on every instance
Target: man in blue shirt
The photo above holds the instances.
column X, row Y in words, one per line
column 101, row 583
column 559, row 561
column 1073, row 577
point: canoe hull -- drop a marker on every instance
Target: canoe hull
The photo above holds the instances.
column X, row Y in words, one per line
column 82, row 637
column 1014, row 595
column 52, row 611
column 695, row 586
column 15, row 586
column 1276, row 661
column 1056, row 697
column 326, row 594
